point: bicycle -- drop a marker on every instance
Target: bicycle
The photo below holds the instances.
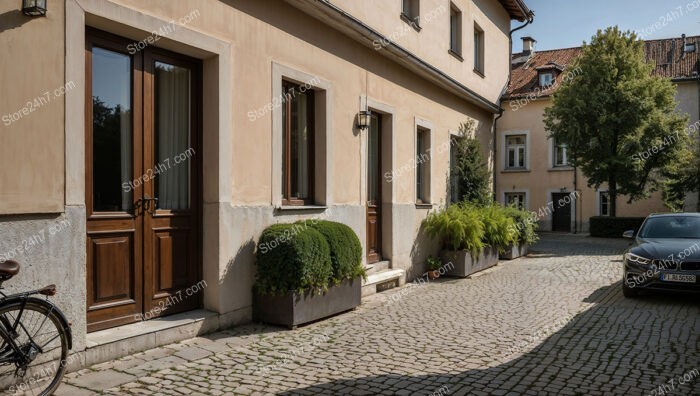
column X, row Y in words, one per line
column 35, row 338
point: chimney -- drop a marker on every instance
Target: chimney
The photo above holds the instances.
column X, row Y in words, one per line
column 528, row 44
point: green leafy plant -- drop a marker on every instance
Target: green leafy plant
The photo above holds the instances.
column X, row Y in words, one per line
column 292, row 257
column 497, row 226
column 459, row 227
column 345, row 249
column 525, row 226
column 433, row 263
column 470, row 177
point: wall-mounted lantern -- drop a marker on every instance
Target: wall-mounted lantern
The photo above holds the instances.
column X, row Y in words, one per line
column 34, row 7
column 364, row 119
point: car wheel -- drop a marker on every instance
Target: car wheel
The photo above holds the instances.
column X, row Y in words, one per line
column 629, row 292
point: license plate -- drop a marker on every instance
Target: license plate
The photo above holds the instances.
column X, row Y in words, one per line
column 678, row 278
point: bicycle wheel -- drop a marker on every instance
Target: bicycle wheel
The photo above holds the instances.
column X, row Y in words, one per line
column 42, row 340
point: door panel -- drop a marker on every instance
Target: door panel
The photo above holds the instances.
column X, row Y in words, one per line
column 374, row 191
column 170, row 131
column 561, row 216
column 114, row 230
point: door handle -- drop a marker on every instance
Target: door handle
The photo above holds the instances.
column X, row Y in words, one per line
column 147, row 200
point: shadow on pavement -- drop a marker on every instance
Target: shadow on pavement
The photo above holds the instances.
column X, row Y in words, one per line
column 618, row 346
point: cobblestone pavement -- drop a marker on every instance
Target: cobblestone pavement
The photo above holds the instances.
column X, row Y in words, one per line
column 553, row 323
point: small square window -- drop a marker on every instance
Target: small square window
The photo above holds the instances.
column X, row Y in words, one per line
column 516, row 199
column 689, row 47
column 546, row 79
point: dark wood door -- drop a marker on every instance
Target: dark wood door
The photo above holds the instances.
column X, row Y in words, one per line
column 374, row 191
column 561, row 216
column 171, row 219
column 141, row 143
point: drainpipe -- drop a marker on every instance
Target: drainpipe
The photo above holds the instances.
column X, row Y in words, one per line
column 577, row 204
column 530, row 19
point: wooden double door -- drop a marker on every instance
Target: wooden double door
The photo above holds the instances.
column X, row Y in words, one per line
column 142, row 181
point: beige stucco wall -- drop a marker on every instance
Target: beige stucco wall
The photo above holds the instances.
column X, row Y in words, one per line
column 239, row 42
column 433, row 40
column 31, row 110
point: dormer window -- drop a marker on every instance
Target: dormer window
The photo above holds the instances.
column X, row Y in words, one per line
column 546, row 79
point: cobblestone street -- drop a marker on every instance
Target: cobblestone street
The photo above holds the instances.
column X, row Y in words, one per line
column 552, row 323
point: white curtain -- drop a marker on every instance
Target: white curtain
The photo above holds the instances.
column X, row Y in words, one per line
column 173, row 136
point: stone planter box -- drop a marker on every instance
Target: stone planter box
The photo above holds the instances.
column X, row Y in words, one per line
column 464, row 265
column 515, row 251
column 293, row 308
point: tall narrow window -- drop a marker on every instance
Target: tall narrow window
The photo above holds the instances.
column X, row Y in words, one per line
column 455, row 30
column 516, row 199
column 478, row 49
column 111, row 130
column 561, row 154
column 515, row 152
column 410, row 11
column 423, row 166
column 604, row 201
column 298, row 145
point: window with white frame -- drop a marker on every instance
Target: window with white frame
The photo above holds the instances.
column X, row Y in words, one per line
column 561, row 153
column 603, row 203
column 516, row 199
column 546, row 79
column 515, row 152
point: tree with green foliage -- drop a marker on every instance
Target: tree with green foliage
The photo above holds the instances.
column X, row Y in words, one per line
column 470, row 177
column 682, row 177
column 619, row 121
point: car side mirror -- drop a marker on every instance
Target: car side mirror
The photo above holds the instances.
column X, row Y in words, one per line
column 628, row 234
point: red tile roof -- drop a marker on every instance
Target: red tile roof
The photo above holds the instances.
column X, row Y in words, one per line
column 667, row 54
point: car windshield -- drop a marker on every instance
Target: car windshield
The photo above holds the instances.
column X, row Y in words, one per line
column 671, row 227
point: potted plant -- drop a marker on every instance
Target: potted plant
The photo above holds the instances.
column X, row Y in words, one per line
column 461, row 230
column 306, row 271
column 525, row 231
column 433, row 264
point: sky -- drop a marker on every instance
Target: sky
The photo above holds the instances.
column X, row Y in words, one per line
column 567, row 23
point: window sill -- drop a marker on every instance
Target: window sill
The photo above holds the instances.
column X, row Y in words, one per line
column 479, row 73
column 561, row 169
column 515, row 170
column 305, row 208
column 455, row 54
column 411, row 22
column 424, row 206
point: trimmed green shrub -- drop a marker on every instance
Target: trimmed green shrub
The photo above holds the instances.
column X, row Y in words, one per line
column 292, row 257
column 613, row 227
column 526, row 225
column 459, row 227
column 345, row 249
column 497, row 226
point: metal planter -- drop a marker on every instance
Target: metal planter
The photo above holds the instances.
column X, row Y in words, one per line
column 464, row 264
column 293, row 308
column 515, row 251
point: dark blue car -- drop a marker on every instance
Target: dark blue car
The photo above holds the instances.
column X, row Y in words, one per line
column 665, row 255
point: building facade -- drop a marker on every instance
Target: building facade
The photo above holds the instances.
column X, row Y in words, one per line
column 534, row 170
column 146, row 145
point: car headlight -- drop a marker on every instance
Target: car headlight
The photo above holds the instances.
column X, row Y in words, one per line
column 637, row 259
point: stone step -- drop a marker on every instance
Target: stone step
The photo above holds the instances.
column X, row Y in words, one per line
column 383, row 280
column 377, row 267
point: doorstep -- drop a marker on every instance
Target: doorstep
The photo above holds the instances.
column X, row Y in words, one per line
column 117, row 342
